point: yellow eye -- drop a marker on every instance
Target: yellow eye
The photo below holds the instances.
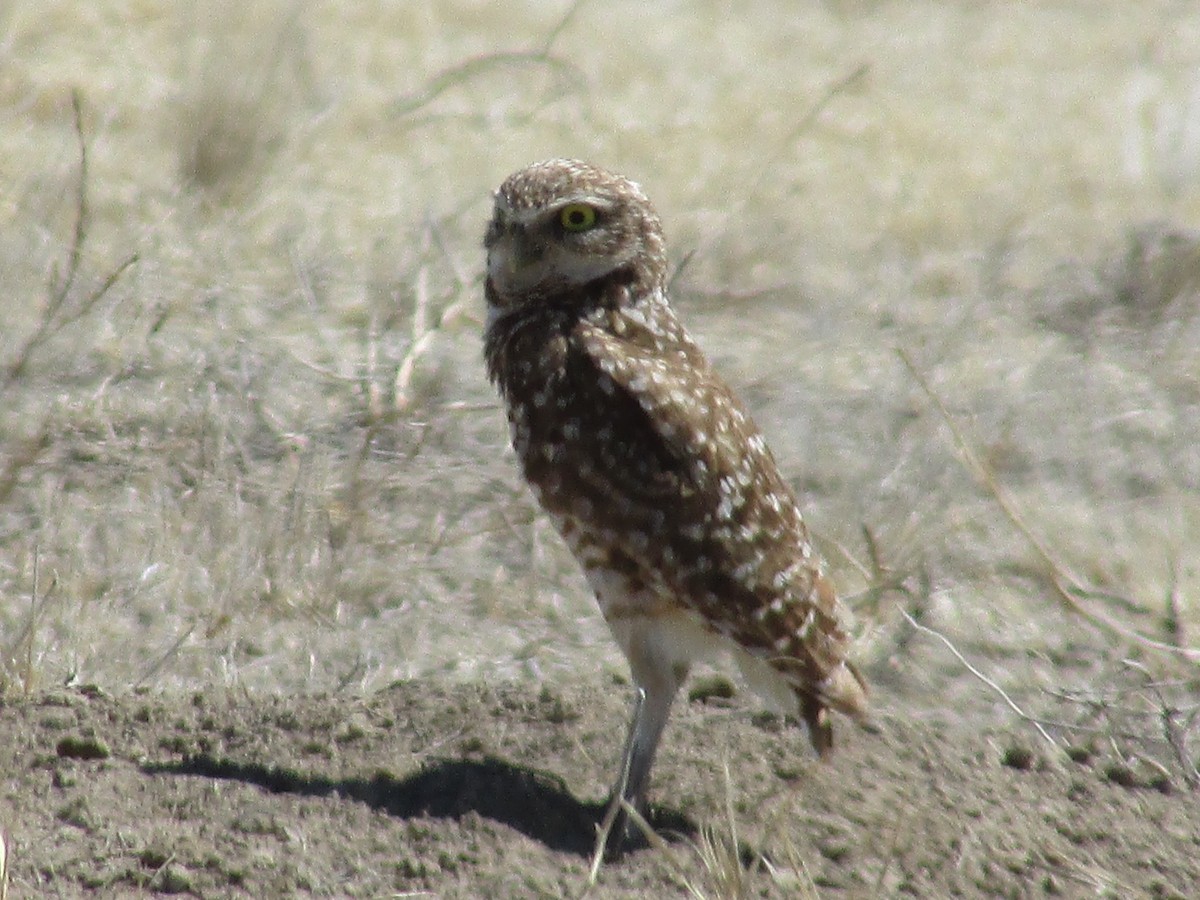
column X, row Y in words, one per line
column 577, row 217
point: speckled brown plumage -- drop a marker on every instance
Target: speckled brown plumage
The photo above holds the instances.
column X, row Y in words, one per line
column 650, row 467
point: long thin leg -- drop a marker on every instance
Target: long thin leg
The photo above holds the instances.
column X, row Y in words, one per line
column 645, row 732
column 613, row 825
column 656, row 690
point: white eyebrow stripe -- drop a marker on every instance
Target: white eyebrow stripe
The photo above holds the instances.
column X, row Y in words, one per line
column 589, row 199
column 526, row 216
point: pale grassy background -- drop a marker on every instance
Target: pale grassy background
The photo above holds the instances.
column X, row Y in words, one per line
column 210, row 467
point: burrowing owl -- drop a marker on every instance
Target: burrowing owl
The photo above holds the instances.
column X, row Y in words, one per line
column 648, row 464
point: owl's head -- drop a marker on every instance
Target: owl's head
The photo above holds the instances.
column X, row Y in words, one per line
column 563, row 225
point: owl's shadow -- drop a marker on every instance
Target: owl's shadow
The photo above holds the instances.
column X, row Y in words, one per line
column 531, row 801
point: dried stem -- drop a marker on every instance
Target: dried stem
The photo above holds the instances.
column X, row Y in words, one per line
column 767, row 169
column 1064, row 584
column 832, row 91
column 1175, row 737
column 422, row 340
column 56, row 315
column 561, row 26
column 426, row 324
column 5, row 848
column 471, row 68
column 81, row 204
column 20, row 457
column 18, row 655
column 924, row 629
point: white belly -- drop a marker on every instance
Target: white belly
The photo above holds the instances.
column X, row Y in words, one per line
column 653, row 629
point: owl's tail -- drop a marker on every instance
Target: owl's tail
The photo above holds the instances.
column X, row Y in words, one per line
column 844, row 690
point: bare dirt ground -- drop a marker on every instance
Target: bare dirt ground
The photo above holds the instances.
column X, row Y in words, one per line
column 469, row 791
column 277, row 616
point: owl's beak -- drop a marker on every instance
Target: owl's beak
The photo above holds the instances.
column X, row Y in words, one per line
column 513, row 259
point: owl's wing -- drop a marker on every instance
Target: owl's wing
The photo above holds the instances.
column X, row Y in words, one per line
column 763, row 585
column 699, row 422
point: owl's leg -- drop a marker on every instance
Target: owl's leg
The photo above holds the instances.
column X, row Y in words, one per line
column 658, row 680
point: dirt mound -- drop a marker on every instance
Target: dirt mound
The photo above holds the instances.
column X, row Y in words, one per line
column 468, row 791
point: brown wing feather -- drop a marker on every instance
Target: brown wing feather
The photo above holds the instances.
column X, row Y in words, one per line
column 746, row 562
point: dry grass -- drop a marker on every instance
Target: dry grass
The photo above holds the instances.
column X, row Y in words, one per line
column 5, row 847
column 266, row 453
column 716, row 865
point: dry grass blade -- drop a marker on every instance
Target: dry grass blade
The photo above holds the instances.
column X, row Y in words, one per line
column 5, row 847
column 1176, row 737
column 1012, row 704
column 61, row 284
column 160, row 872
column 426, row 325
column 767, row 169
column 58, row 313
column 606, row 826
column 720, row 854
column 789, row 870
column 478, row 66
column 832, row 90
column 618, row 804
column 17, row 664
column 1174, row 620
column 1065, row 585
column 611, row 814
column 54, row 320
column 561, row 26
column 169, row 654
column 718, row 851
column 422, row 340
column 81, row 206
column 20, row 457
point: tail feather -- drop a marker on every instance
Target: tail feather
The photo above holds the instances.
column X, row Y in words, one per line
column 820, row 729
column 844, row 690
